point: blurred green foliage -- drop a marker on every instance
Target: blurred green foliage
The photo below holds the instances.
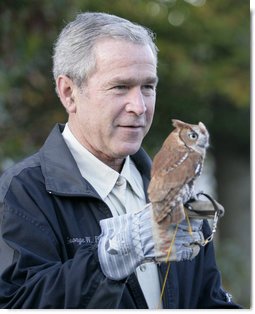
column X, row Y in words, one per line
column 204, row 71
column 203, row 66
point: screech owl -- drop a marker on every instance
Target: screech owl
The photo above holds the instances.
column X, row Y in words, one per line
column 175, row 168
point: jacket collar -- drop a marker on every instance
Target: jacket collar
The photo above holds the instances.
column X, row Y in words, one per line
column 61, row 172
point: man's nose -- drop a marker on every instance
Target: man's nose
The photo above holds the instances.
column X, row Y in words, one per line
column 136, row 102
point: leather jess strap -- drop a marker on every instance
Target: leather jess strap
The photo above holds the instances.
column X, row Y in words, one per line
column 204, row 209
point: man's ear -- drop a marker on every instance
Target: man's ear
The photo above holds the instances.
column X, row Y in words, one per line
column 65, row 88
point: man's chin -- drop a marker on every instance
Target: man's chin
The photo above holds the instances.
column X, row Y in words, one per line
column 127, row 150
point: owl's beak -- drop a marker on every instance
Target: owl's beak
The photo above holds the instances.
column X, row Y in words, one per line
column 203, row 142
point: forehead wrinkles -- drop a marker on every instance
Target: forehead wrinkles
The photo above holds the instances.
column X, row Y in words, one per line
column 131, row 81
column 112, row 50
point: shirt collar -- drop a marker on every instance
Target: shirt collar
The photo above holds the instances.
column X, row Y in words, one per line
column 102, row 177
column 133, row 177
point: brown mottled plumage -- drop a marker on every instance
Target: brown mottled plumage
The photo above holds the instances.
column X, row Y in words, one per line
column 175, row 168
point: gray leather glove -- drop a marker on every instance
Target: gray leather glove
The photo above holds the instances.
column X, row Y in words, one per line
column 130, row 240
column 177, row 242
column 183, row 241
column 125, row 243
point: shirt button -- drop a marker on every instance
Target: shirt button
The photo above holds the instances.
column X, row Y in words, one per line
column 120, row 181
column 143, row 268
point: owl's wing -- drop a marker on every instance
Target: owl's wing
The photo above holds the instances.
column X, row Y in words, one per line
column 171, row 170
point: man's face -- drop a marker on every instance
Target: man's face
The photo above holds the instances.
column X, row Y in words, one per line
column 115, row 108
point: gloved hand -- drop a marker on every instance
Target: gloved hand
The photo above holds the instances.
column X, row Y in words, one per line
column 129, row 240
column 177, row 242
column 183, row 241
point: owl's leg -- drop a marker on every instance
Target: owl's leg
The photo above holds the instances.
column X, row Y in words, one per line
column 164, row 234
column 177, row 214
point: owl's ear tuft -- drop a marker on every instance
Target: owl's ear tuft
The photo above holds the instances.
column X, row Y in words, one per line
column 178, row 123
column 202, row 126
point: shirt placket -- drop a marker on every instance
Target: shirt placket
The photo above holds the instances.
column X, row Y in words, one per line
column 120, row 193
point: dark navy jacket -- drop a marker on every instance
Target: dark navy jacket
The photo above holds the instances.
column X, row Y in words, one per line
column 49, row 217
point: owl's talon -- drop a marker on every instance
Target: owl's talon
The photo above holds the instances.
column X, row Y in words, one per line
column 188, row 206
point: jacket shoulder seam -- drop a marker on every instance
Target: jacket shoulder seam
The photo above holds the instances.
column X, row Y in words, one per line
column 11, row 173
column 30, row 220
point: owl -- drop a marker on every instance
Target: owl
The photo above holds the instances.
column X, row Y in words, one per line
column 175, row 168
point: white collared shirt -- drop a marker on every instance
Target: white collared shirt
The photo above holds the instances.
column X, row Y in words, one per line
column 123, row 192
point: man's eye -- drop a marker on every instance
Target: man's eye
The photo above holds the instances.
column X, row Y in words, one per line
column 120, row 87
column 149, row 87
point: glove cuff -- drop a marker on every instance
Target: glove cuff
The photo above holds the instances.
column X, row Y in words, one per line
column 126, row 242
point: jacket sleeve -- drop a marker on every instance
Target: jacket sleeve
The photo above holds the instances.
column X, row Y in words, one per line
column 212, row 294
column 37, row 277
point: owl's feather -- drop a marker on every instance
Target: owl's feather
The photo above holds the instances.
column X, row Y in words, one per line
column 174, row 169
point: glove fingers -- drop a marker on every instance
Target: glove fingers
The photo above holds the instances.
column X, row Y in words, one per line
column 177, row 242
column 180, row 254
column 186, row 239
column 196, row 224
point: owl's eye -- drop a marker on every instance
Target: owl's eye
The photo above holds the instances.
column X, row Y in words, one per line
column 193, row 135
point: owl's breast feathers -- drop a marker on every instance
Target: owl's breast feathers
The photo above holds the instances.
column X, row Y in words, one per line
column 172, row 169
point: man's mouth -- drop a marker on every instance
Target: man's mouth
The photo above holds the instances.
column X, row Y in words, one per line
column 132, row 126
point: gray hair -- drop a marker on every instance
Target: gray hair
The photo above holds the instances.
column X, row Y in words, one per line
column 73, row 50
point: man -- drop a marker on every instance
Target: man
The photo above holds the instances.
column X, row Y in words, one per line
column 75, row 230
